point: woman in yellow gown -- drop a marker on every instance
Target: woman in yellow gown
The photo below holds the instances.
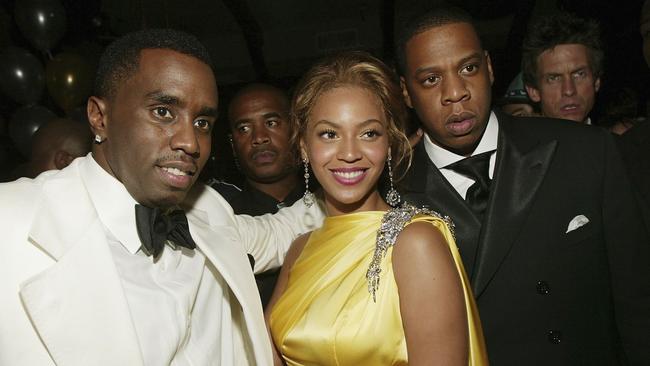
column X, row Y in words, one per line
column 376, row 285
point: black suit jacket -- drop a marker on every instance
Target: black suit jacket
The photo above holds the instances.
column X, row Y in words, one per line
column 635, row 150
column 547, row 296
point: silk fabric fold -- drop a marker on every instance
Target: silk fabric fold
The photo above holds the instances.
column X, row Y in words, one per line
column 327, row 316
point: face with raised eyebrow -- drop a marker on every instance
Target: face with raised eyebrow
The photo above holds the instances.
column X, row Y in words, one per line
column 157, row 127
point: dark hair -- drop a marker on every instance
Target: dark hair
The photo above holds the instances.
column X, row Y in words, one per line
column 121, row 58
column 257, row 87
column 435, row 17
column 564, row 28
column 360, row 69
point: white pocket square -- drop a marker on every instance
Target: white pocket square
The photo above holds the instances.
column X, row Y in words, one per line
column 577, row 222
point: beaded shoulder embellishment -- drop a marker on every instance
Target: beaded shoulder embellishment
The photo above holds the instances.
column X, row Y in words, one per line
column 392, row 224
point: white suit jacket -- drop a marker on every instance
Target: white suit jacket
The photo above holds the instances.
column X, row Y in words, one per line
column 61, row 298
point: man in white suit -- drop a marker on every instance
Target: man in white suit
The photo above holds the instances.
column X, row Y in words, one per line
column 78, row 284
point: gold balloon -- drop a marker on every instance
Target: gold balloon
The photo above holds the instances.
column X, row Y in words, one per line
column 69, row 80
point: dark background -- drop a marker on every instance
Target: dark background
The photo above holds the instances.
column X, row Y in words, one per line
column 276, row 41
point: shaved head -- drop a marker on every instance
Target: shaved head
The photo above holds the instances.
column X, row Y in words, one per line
column 57, row 143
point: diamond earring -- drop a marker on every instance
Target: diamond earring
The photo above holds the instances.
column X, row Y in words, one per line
column 392, row 196
column 307, row 197
column 98, row 139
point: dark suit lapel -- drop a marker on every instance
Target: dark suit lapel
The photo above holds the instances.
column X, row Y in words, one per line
column 522, row 163
column 426, row 186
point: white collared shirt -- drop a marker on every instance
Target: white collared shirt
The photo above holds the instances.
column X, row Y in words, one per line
column 442, row 158
column 179, row 304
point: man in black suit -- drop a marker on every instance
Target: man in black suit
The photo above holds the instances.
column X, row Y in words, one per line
column 546, row 224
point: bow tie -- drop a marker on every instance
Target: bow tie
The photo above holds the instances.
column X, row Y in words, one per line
column 158, row 227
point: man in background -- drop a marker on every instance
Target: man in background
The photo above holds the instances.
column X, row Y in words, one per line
column 562, row 62
column 635, row 143
column 56, row 144
column 516, row 102
column 258, row 116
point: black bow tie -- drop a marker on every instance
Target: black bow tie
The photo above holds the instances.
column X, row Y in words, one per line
column 158, row 227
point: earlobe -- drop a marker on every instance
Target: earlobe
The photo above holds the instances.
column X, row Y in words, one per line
column 96, row 110
column 62, row 159
column 533, row 93
column 303, row 153
column 405, row 93
column 232, row 145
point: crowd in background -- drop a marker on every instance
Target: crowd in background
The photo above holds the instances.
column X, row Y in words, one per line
column 539, row 196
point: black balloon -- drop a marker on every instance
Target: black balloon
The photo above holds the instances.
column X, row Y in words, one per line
column 24, row 122
column 69, row 79
column 79, row 114
column 42, row 22
column 21, row 75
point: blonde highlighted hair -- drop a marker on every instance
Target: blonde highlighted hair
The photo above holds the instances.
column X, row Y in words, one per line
column 358, row 69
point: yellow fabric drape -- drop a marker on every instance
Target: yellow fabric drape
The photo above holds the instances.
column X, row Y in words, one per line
column 328, row 317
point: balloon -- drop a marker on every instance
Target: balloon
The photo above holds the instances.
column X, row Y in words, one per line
column 69, row 80
column 21, row 75
column 24, row 122
column 3, row 127
column 6, row 22
column 42, row 22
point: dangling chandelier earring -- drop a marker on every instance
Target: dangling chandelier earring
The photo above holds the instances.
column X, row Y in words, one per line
column 392, row 197
column 307, row 197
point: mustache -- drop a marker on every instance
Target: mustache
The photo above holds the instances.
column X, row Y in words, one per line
column 256, row 152
column 182, row 157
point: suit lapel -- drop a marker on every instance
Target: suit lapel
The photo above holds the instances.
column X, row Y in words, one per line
column 221, row 246
column 522, row 162
column 425, row 185
column 77, row 305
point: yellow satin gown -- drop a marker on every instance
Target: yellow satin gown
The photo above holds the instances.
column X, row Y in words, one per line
column 327, row 315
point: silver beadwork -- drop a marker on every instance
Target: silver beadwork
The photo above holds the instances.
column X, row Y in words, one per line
column 392, row 224
column 392, row 196
column 307, row 197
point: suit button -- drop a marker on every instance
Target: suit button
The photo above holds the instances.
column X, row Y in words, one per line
column 554, row 336
column 543, row 288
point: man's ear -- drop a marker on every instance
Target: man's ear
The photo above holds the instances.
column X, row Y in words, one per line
column 232, row 145
column 96, row 108
column 533, row 94
column 405, row 92
column 488, row 62
column 62, row 159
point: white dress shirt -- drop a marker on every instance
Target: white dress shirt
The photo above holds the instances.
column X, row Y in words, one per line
column 176, row 301
column 442, row 158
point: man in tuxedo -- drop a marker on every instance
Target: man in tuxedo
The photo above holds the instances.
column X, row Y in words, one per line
column 120, row 258
column 544, row 218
